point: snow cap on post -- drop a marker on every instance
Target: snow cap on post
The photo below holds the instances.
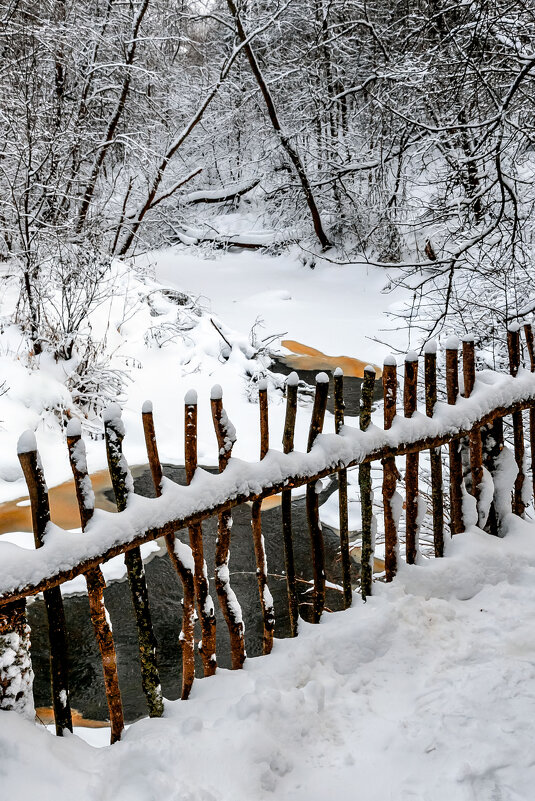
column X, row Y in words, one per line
column 468, row 338
column 514, row 327
column 370, row 369
column 390, row 360
column 338, row 371
column 262, row 385
column 111, row 413
column 190, row 398
column 322, row 378
column 147, row 407
column 74, row 428
column 27, row 442
column 216, row 393
column 411, row 356
column 452, row 342
column 292, row 380
column 430, row 346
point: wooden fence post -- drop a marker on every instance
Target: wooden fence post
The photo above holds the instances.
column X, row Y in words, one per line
column 531, row 351
column 286, row 504
column 314, row 525
column 226, row 437
column 339, row 405
column 181, row 558
column 513, row 346
column 365, row 486
column 16, row 674
column 95, row 582
column 390, row 472
column 476, row 445
column 410, row 397
column 266, row 599
column 205, row 604
column 456, row 467
column 430, row 369
column 57, row 630
column 123, row 485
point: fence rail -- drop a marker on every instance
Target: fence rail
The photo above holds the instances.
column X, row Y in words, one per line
column 470, row 425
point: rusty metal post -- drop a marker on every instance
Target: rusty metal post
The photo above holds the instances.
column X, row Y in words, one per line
column 456, row 467
column 266, row 599
column 513, row 346
column 390, row 472
column 339, row 406
column 410, row 399
column 177, row 550
column 16, row 674
column 57, row 630
column 286, row 504
column 123, row 485
column 95, row 582
column 365, row 486
column 226, row 437
column 430, row 370
column 528, row 331
column 205, row 604
column 314, row 525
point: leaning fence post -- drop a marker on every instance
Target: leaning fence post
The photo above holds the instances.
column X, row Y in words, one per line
column 513, row 346
column 390, row 471
column 338, row 379
column 286, row 503
column 57, row 630
column 476, row 445
column 205, row 604
column 95, row 582
column 16, row 674
column 123, row 485
column 179, row 555
column 531, row 351
column 410, row 389
column 456, row 467
column 314, row 525
column 430, row 369
column 226, row 437
column 266, row 599
column 365, row 486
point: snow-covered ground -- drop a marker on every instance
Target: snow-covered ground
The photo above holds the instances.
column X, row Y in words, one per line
column 424, row 693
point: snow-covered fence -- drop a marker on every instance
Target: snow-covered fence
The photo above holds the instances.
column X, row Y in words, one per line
column 485, row 484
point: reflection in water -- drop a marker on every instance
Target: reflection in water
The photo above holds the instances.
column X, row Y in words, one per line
column 303, row 357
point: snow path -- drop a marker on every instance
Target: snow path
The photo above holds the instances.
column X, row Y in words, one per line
column 425, row 693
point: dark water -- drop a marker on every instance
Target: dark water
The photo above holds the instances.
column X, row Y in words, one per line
column 165, row 592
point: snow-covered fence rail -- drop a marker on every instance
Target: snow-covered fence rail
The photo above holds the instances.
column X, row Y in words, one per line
column 482, row 487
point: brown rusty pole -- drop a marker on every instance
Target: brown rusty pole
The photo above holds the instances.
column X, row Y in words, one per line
column 314, row 525
column 365, row 486
column 122, row 486
column 410, row 396
column 390, row 472
column 531, row 351
column 430, row 369
column 266, row 599
column 456, row 467
column 339, row 405
column 476, row 445
column 95, row 582
column 57, row 630
column 513, row 346
column 205, row 605
column 292, row 383
column 180, row 557
column 226, row 437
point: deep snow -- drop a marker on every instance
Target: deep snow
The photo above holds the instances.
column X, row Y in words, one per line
column 424, row 693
